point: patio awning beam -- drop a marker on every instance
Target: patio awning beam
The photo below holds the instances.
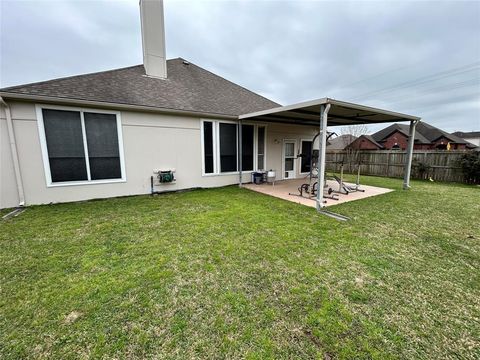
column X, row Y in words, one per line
column 408, row 163
column 309, row 121
column 340, row 110
column 357, row 117
column 297, row 118
column 324, row 109
column 335, row 113
column 286, row 120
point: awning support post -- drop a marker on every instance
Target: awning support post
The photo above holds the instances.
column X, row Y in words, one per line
column 408, row 163
column 240, row 154
column 321, row 154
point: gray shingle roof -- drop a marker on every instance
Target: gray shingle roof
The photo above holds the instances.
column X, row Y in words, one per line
column 432, row 133
column 340, row 142
column 424, row 134
column 467, row 135
column 402, row 128
column 373, row 141
column 188, row 87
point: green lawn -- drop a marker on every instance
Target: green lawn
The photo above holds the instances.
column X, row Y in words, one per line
column 229, row 273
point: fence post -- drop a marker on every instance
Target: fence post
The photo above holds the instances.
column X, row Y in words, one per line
column 388, row 163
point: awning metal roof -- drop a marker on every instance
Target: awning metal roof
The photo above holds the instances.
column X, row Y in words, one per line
column 341, row 113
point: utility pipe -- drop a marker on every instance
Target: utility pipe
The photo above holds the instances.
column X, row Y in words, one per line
column 13, row 149
column 324, row 109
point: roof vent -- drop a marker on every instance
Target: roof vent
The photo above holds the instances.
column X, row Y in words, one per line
column 185, row 62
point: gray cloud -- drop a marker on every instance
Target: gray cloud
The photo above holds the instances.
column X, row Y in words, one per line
column 367, row 52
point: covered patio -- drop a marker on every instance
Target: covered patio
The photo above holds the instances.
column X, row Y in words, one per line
column 322, row 113
column 288, row 190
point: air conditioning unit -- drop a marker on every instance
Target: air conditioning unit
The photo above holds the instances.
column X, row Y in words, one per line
column 165, row 176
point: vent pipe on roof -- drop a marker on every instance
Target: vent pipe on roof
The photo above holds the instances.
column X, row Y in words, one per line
column 153, row 38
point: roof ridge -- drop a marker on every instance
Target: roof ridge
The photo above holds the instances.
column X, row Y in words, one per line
column 231, row 82
column 67, row 77
column 192, row 88
column 468, row 133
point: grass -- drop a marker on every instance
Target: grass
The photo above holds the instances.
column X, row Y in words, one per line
column 229, row 273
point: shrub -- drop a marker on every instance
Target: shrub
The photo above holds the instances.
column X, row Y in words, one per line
column 470, row 165
column 421, row 169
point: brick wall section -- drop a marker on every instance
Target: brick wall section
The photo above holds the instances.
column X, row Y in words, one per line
column 443, row 141
column 422, row 147
column 395, row 138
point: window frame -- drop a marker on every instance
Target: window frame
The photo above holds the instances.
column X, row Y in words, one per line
column 81, row 110
column 216, row 146
column 217, row 149
column 256, row 152
column 254, row 163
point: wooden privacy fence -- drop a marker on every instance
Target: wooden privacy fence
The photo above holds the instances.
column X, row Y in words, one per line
column 439, row 165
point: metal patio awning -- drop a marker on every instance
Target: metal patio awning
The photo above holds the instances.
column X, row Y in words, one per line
column 341, row 113
column 329, row 112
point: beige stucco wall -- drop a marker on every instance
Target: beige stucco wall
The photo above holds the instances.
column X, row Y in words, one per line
column 8, row 186
column 276, row 134
column 150, row 141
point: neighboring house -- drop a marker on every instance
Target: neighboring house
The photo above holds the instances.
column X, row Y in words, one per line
column 472, row 137
column 395, row 137
column 340, row 142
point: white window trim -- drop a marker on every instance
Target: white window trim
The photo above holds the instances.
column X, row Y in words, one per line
column 299, row 150
column 216, row 146
column 264, row 147
column 43, row 145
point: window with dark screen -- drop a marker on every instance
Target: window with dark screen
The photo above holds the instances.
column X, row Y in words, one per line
column 66, row 154
column 228, row 147
column 102, row 144
column 208, row 147
column 81, row 146
column 247, row 147
column 221, row 147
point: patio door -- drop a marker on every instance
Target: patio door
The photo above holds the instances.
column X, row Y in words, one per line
column 288, row 161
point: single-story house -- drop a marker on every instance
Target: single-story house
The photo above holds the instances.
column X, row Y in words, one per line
column 472, row 137
column 395, row 137
column 340, row 142
column 106, row 134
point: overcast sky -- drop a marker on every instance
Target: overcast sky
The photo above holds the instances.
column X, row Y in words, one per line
column 422, row 58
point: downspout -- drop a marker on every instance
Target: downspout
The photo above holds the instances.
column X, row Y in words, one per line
column 13, row 149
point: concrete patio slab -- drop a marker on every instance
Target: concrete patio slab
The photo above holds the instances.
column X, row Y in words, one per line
column 282, row 189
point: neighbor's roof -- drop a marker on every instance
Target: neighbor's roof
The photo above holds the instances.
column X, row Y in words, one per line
column 432, row 133
column 341, row 113
column 424, row 134
column 187, row 87
column 340, row 142
column 402, row 128
column 467, row 135
column 372, row 140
